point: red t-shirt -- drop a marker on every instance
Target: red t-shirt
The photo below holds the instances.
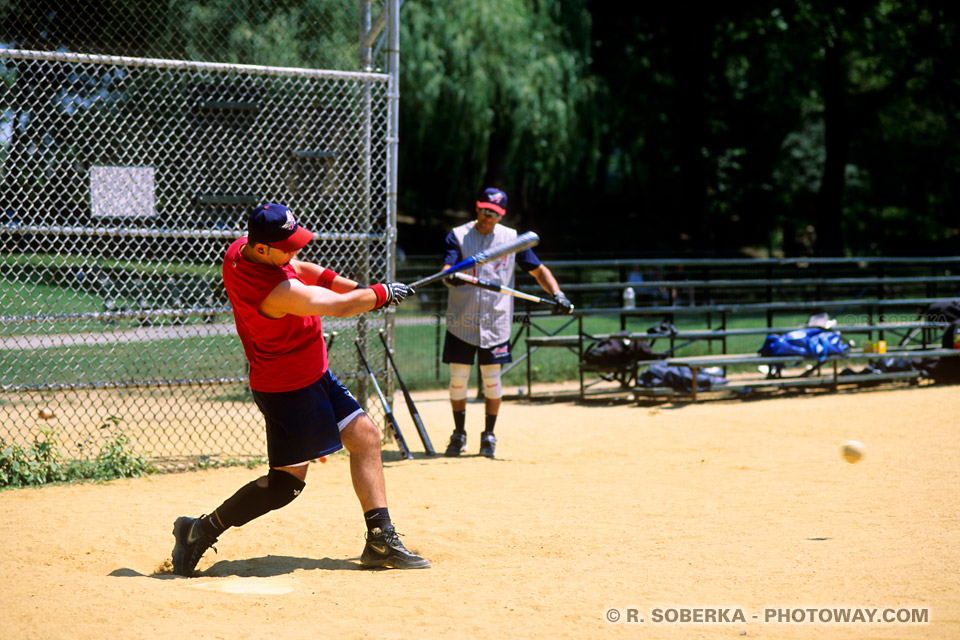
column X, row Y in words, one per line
column 285, row 353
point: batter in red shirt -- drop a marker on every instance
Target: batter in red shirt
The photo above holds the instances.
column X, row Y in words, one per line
column 277, row 304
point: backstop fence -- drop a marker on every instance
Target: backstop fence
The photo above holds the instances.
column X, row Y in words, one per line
column 130, row 154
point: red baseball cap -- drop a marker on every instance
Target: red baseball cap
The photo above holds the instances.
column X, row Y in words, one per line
column 494, row 200
column 274, row 224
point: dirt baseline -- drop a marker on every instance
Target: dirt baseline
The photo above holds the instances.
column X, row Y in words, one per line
column 590, row 512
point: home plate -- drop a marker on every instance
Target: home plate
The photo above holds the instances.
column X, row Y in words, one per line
column 247, row 586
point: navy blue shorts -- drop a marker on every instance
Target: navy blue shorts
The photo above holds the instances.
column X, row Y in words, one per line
column 305, row 424
column 460, row 352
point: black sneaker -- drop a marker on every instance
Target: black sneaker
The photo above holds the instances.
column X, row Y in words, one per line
column 488, row 444
column 191, row 542
column 458, row 444
column 384, row 549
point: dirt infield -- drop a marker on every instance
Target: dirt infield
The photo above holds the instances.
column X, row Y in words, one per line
column 722, row 509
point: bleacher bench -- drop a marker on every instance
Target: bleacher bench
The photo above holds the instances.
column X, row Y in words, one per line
column 627, row 375
column 696, row 363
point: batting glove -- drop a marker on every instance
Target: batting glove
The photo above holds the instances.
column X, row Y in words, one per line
column 396, row 292
column 561, row 304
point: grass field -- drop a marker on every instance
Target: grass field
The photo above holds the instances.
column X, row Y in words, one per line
column 418, row 347
column 21, row 299
column 418, row 344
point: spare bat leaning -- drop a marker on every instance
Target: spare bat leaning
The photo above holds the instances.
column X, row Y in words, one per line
column 414, row 414
column 391, row 420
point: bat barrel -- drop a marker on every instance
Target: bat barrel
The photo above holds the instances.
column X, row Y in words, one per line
column 521, row 242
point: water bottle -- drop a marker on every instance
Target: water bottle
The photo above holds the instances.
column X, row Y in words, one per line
column 629, row 298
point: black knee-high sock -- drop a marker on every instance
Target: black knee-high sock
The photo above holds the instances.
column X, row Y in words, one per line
column 491, row 423
column 378, row 518
column 460, row 421
column 252, row 501
column 212, row 525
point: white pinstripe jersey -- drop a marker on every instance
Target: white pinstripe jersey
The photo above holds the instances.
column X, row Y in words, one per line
column 477, row 316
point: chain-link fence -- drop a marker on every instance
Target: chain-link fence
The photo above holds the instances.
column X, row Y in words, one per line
column 134, row 139
column 347, row 35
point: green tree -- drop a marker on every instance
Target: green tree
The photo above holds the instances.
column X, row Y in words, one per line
column 292, row 33
column 494, row 92
column 879, row 76
column 739, row 125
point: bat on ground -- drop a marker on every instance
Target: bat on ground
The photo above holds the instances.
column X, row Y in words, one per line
column 414, row 414
column 493, row 286
column 521, row 242
column 391, row 420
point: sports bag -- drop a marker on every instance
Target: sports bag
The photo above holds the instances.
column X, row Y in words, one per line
column 679, row 378
column 619, row 350
column 811, row 342
column 943, row 311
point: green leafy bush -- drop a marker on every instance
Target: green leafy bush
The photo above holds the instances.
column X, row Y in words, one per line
column 116, row 458
column 43, row 462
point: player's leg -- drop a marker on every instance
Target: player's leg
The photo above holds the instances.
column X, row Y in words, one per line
column 361, row 439
column 459, row 376
column 492, row 388
column 300, row 427
column 491, row 361
column 267, row 493
column 492, row 394
column 193, row 536
column 460, row 356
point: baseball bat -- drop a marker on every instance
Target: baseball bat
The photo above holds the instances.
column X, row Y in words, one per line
column 391, row 420
column 521, row 242
column 414, row 414
column 493, row 286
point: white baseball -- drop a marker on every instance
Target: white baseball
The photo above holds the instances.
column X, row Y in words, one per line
column 853, row 451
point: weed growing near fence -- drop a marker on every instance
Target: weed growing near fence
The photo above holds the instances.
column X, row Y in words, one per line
column 43, row 462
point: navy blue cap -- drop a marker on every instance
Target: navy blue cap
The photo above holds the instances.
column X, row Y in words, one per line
column 274, row 224
column 494, row 200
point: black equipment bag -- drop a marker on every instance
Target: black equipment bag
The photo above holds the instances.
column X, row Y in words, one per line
column 619, row 351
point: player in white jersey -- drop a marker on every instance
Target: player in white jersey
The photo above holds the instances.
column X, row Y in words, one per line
column 478, row 320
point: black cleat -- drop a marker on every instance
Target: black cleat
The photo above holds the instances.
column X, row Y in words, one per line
column 488, row 444
column 384, row 549
column 191, row 543
column 458, row 444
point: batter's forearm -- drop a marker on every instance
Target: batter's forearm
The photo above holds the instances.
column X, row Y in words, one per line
column 545, row 279
column 343, row 285
column 345, row 305
column 294, row 297
column 353, row 303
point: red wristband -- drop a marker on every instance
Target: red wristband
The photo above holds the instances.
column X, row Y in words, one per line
column 326, row 278
column 381, row 292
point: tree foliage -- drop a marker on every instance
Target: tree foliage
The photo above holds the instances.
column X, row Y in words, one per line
column 623, row 127
column 294, row 33
column 494, row 92
column 730, row 127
